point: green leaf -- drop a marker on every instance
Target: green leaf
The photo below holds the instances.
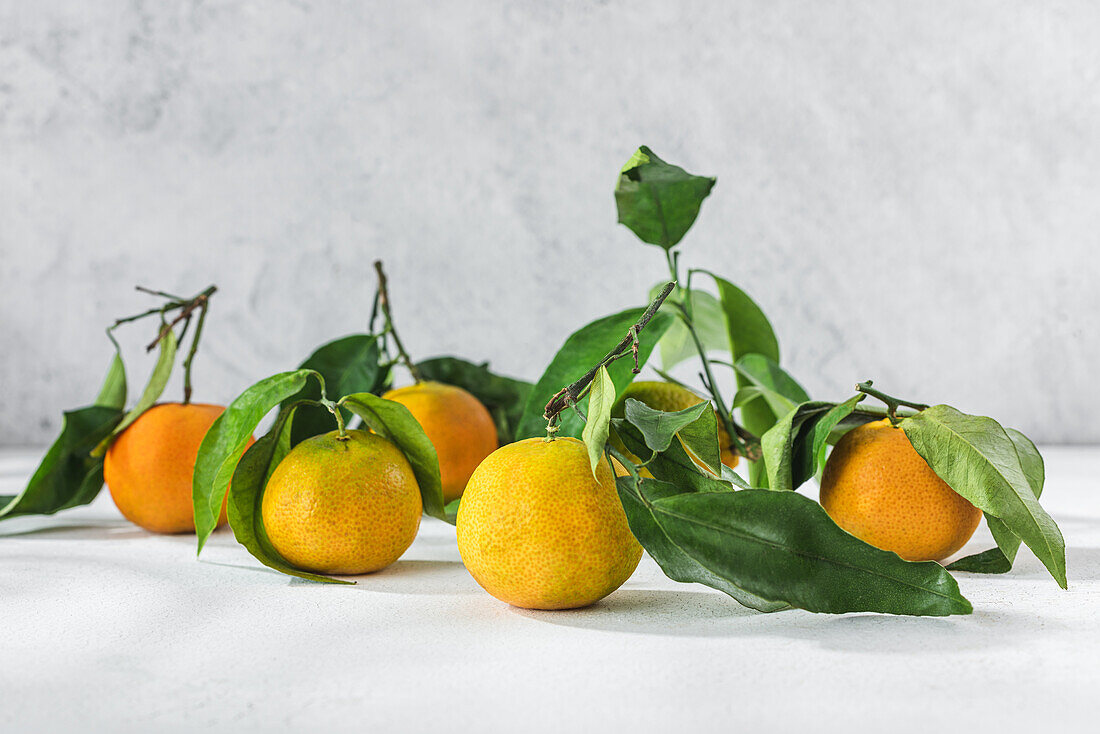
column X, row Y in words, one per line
column 658, row 201
column 978, row 459
column 673, row 465
column 1000, row 559
column 677, row 564
column 113, row 392
column 601, row 396
column 246, row 496
column 158, row 379
column 710, row 325
column 782, row 546
column 778, row 389
column 502, row 396
column 696, row 427
column 794, row 448
column 348, row 365
column 68, row 475
column 584, row 348
column 393, row 421
column 227, row 440
column 750, row 332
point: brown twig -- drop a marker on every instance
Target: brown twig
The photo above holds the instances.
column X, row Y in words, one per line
column 187, row 308
column 384, row 305
column 573, row 392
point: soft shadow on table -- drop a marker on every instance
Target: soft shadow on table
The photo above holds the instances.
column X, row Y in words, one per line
column 61, row 530
column 418, row 578
column 1082, row 564
column 704, row 614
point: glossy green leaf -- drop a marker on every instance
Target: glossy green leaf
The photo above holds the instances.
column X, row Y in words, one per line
column 658, row 201
column 68, row 475
column 673, row 465
column 584, row 348
column 794, row 448
column 978, row 459
column 504, row 397
column 778, row 389
column 783, row 547
column 113, row 392
column 696, row 427
column 601, row 396
column 1000, row 559
column 393, row 421
column 246, row 495
column 158, row 379
column 348, row 365
column 678, row 564
column 227, row 440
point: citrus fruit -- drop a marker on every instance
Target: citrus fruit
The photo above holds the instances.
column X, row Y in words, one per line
column 670, row 397
column 148, row 467
column 456, row 423
column 878, row 488
column 346, row 505
column 536, row 529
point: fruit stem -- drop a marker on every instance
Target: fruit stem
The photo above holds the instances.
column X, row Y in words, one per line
column 892, row 403
column 186, row 309
column 194, row 349
column 383, row 298
column 341, row 430
column 629, row 345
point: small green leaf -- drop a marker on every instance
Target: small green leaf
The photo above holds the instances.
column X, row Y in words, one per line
column 68, row 475
column 783, row 547
column 584, row 348
column 658, row 201
column 601, row 396
column 794, row 448
column 978, row 459
column 394, row 422
column 227, row 440
column 348, row 365
column 246, row 495
column 158, row 379
column 696, row 427
column 1000, row 559
column 113, row 392
column 673, row 465
column 710, row 325
column 778, row 389
column 504, row 397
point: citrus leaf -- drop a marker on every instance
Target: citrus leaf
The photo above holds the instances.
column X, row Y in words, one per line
column 783, row 546
column 226, row 441
column 502, row 396
column 673, row 465
column 1000, row 559
column 658, row 201
column 394, row 422
column 709, row 321
column 677, row 564
column 68, row 475
column 158, row 379
column 696, row 427
column 246, row 495
column 778, row 389
column 113, row 392
column 978, row 459
column 794, row 448
column 348, row 365
column 584, row 348
column 601, row 396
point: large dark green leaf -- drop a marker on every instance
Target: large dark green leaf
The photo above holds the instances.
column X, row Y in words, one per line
column 783, row 547
column 158, row 380
column 794, row 448
column 978, row 459
column 246, row 495
column 677, row 564
column 584, row 348
column 503, row 396
column 348, row 365
column 658, row 201
column 68, row 475
column 227, row 440
column 1000, row 559
column 394, row 421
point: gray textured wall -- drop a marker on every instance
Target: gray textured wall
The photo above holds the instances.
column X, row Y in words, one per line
column 909, row 189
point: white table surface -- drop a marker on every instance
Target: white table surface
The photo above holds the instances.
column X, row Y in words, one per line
column 106, row 627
